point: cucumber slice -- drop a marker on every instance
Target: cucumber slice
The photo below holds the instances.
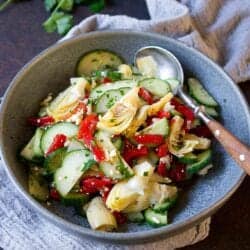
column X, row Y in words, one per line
column 38, row 186
column 65, row 128
column 73, row 167
column 198, row 92
column 108, row 99
column 211, row 111
column 188, row 158
column 173, row 83
column 27, row 153
column 37, row 143
column 119, row 171
column 97, row 60
column 136, row 217
column 166, row 205
column 32, row 151
column 76, row 200
column 203, row 159
column 97, row 92
column 110, row 171
column 118, row 143
column 155, row 86
column 75, row 145
column 115, row 167
column 160, row 127
column 156, row 219
column 54, row 160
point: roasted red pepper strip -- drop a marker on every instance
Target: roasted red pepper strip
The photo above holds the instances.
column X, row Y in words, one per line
column 149, row 139
column 202, row 131
column 146, row 96
column 106, row 80
column 162, row 150
column 131, row 152
column 163, row 114
column 41, row 121
column 86, row 133
column 87, row 129
column 178, row 172
column 186, row 111
column 162, row 169
column 98, row 153
column 91, row 185
column 120, row 217
column 58, row 142
column 54, row 194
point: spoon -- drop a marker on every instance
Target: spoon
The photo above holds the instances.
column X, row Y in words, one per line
column 168, row 66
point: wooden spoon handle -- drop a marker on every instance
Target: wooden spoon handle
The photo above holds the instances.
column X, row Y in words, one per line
column 238, row 151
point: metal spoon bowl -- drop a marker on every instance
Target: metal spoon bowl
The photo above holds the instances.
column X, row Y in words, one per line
column 168, row 66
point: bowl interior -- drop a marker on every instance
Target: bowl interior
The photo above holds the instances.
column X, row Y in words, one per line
column 50, row 72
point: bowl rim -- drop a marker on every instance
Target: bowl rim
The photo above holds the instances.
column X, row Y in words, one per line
column 119, row 237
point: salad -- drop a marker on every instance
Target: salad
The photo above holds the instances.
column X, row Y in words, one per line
column 116, row 143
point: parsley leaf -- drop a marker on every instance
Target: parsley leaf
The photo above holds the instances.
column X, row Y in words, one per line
column 64, row 24
column 66, row 5
column 50, row 24
column 50, row 4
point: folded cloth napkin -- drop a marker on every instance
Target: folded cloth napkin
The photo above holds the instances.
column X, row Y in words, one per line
column 218, row 28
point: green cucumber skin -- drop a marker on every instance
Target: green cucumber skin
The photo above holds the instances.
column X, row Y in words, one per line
column 32, row 151
column 203, row 159
column 156, row 86
column 118, row 143
column 76, row 200
column 150, row 214
column 198, row 92
column 188, row 158
column 165, row 206
column 38, row 153
column 77, row 70
column 54, row 160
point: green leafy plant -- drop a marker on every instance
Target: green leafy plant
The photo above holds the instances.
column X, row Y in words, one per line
column 60, row 20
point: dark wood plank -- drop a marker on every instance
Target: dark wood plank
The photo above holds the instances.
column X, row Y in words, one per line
column 22, row 37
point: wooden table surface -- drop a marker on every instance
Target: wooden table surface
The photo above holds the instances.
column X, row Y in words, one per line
column 22, row 37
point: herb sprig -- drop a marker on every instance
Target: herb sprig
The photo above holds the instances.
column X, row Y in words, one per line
column 60, row 19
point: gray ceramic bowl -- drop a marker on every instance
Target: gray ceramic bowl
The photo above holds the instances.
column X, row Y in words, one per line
column 50, row 71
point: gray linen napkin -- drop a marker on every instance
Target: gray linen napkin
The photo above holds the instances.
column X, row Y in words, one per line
column 219, row 29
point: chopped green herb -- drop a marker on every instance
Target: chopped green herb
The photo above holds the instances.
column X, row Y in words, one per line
column 145, row 173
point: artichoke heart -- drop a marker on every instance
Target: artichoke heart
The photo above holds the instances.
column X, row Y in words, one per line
column 126, row 193
column 139, row 119
column 66, row 101
column 157, row 106
column 161, row 192
column 178, row 144
column 203, row 143
column 119, row 117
